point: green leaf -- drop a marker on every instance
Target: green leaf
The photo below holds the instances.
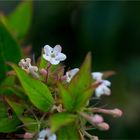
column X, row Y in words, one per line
column 38, row 93
column 9, row 50
column 31, row 124
column 7, row 82
column 16, row 106
column 7, row 124
column 66, row 97
column 68, row 133
column 61, row 119
column 19, row 21
column 83, row 99
column 80, row 83
column 8, row 87
column 13, row 90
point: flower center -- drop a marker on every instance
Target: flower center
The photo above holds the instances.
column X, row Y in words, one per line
column 69, row 75
column 53, row 55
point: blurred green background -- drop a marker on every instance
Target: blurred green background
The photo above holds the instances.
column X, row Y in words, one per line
column 111, row 31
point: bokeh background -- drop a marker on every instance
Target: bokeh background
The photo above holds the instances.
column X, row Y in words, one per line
column 111, row 31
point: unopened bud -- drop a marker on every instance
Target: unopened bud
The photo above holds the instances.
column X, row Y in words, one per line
column 103, row 126
column 116, row 112
column 28, row 135
column 63, row 78
column 94, row 120
column 97, row 119
column 43, row 72
column 95, row 138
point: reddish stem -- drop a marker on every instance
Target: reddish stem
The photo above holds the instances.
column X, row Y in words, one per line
column 47, row 69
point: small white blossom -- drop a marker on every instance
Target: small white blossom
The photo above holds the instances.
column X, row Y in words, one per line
column 25, row 64
column 46, row 133
column 102, row 89
column 70, row 74
column 97, row 76
column 53, row 55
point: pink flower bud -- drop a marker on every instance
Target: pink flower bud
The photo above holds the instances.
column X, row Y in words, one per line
column 94, row 120
column 63, row 78
column 97, row 119
column 95, row 138
column 103, row 126
column 43, row 72
column 28, row 135
column 116, row 112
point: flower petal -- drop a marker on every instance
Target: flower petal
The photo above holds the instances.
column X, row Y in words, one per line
column 99, row 91
column 52, row 137
column 53, row 61
column 70, row 74
column 57, row 49
column 97, row 76
column 74, row 71
column 106, row 90
column 46, row 57
column 48, row 49
column 102, row 90
column 43, row 133
column 106, row 82
column 60, row 57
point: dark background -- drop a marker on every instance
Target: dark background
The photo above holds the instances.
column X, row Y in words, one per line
column 111, row 31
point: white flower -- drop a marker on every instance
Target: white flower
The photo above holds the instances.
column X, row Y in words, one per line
column 52, row 137
column 102, row 89
column 70, row 74
column 97, row 76
column 53, row 55
column 45, row 133
column 25, row 64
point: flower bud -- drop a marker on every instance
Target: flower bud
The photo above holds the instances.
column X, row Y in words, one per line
column 116, row 112
column 94, row 120
column 28, row 135
column 95, row 138
column 97, row 119
column 103, row 126
column 43, row 72
column 63, row 78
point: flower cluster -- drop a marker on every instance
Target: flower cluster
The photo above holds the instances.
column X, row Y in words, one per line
column 53, row 57
column 25, row 64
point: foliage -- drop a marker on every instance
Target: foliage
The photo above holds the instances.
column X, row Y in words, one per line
column 36, row 98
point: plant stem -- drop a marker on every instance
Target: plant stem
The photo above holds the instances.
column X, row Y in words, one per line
column 47, row 69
